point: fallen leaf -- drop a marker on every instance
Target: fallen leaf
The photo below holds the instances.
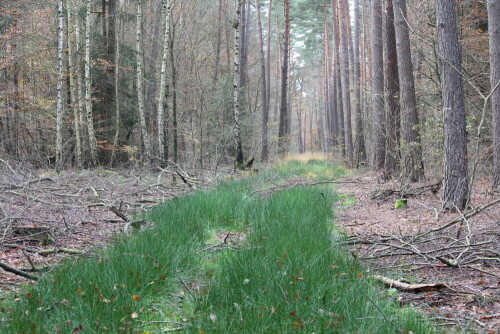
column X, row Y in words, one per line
column 134, row 315
column 29, row 295
column 136, row 297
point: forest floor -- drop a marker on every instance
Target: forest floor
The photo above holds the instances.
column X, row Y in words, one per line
column 411, row 245
column 45, row 215
column 72, row 210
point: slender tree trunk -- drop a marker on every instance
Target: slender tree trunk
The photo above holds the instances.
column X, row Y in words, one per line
column 59, row 118
column 378, row 86
column 162, row 90
column 494, row 32
column 140, row 85
column 359, row 142
column 455, row 195
column 173, row 73
column 268, row 55
column 117, row 88
column 346, row 85
column 236, row 89
column 88, row 90
column 80, row 86
column 265, row 105
column 413, row 167
column 392, row 118
column 337, row 84
column 219, row 40
column 283, row 123
column 72, row 91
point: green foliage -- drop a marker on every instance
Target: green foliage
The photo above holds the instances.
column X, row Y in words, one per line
column 399, row 203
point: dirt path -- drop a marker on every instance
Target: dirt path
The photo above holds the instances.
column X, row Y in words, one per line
column 469, row 250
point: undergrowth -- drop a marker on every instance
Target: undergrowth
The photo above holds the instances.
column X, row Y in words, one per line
column 288, row 275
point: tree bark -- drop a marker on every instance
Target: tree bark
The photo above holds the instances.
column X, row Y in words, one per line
column 455, row 195
column 346, row 84
column 265, row 105
column 88, row 90
column 494, row 39
column 140, row 85
column 413, row 167
column 60, row 58
column 268, row 55
column 236, row 88
column 391, row 82
column 283, row 121
column 359, row 142
column 162, row 90
column 117, row 56
column 377, row 86
column 72, row 90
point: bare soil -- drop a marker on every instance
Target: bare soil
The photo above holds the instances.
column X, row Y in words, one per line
column 469, row 248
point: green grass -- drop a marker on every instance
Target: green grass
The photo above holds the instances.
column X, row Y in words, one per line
column 287, row 276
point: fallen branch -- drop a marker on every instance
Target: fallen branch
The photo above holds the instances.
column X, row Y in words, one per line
column 17, row 272
column 47, row 251
column 415, row 288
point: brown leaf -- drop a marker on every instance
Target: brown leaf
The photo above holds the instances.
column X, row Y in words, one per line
column 136, row 297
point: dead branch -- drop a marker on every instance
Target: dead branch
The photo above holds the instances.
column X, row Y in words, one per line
column 415, row 288
column 47, row 251
column 17, row 272
column 119, row 213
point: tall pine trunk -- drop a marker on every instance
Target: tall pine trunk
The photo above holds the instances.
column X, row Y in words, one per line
column 494, row 35
column 455, row 195
column 377, row 86
column 265, row 105
column 344, row 68
column 391, row 82
column 283, row 121
column 88, row 90
column 411, row 148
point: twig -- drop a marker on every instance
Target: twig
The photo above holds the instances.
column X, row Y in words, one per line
column 187, row 288
column 382, row 312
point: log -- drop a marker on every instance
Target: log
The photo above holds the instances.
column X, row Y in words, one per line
column 17, row 272
column 415, row 288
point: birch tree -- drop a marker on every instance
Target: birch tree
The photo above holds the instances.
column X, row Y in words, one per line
column 73, row 91
column 236, row 91
column 59, row 117
column 140, row 84
column 163, row 91
column 455, row 194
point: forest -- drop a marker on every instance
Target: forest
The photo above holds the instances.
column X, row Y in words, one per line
column 121, row 120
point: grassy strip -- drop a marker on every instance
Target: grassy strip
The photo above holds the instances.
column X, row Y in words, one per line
column 288, row 277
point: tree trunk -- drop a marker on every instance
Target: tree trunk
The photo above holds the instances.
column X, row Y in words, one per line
column 494, row 36
column 117, row 88
column 283, row 122
column 392, row 119
column 413, row 167
column 173, row 73
column 377, row 86
column 236, row 89
column 265, row 105
column 140, row 85
column 268, row 56
column 455, row 195
column 346, row 85
column 162, row 89
column 72, row 91
column 88, row 90
column 59, row 117
column 219, row 41
column 359, row 142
